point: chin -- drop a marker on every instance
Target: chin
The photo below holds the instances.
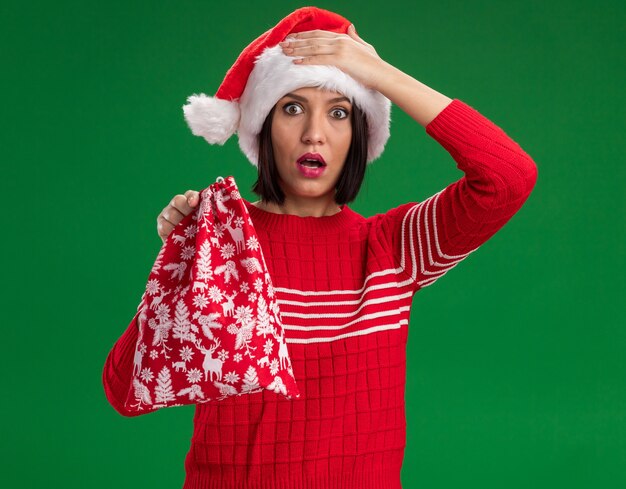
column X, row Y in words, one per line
column 310, row 194
column 313, row 193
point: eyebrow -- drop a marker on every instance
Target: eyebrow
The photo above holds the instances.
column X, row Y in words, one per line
column 303, row 99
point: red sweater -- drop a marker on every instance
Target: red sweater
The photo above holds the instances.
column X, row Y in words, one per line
column 345, row 285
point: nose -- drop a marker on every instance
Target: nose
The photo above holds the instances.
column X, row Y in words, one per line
column 314, row 129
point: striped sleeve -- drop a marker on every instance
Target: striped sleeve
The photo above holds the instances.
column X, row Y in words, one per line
column 429, row 238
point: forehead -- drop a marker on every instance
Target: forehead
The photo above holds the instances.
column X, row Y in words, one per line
column 316, row 93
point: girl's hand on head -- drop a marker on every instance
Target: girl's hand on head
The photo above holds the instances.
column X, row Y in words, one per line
column 179, row 207
column 348, row 52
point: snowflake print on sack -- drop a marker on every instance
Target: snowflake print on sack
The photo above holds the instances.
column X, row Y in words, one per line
column 258, row 285
column 219, row 230
column 186, row 353
column 190, row 231
column 187, row 253
column 153, row 287
column 194, row 376
column 146, row 375
column 274, row 366
column 209, row 326
column 244, row 315
column 231, row 377
column 227, row 251
column 215, row 294
column 252, row 243
column 200, row 301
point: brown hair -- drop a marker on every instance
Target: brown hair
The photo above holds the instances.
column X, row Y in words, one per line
column 351, row 176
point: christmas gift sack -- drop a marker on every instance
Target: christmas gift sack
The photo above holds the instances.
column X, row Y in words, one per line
column 209, row 323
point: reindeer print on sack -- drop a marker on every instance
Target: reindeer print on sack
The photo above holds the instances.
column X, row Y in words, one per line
column 209, row 326
column 229, row 306
column 236, row 233
column 210, row 364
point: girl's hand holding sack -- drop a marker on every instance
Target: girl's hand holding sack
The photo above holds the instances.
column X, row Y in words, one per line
column 209, row 323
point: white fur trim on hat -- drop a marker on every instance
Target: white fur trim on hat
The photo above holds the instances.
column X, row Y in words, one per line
column 212, row 118
column 275, row 74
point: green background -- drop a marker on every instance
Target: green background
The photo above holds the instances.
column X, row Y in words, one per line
column 516, row 370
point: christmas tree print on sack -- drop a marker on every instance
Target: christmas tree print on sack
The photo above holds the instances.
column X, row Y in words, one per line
column 208, row 321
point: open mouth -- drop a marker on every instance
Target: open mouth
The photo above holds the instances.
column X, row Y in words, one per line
column 311, row 160
column 312, row 163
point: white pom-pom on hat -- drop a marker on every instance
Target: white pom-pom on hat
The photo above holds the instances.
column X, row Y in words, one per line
column 214, row 119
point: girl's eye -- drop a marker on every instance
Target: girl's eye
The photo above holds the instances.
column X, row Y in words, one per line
column 341, row 111
column 288, row 108
column 292, row 109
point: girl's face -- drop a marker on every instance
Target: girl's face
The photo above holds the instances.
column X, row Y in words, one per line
column 311, row 120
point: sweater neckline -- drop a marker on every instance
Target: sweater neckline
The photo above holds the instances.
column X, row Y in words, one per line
column 290, row 223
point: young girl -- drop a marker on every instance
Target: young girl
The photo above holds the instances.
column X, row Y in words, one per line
column 311, row 113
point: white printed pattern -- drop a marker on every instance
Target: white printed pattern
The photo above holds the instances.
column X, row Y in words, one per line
column 190, row 325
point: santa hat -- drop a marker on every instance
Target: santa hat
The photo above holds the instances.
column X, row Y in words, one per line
column 263, row 74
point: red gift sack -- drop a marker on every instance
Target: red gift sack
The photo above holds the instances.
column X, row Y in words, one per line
column 209, row 323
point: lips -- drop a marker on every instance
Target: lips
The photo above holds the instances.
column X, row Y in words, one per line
column 309, row 170
column 312, row 156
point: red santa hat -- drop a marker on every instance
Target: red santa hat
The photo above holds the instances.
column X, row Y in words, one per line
column 263, row 74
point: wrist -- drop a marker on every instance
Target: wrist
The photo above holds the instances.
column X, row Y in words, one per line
column 386, row 75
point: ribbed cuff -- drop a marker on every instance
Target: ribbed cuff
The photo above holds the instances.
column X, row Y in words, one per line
column 383, row 478
column 118, row 369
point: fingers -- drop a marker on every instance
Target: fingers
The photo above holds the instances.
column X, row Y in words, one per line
column 164, row 228
column 310, row 43
column 187, row 202
column 300, row 48
column 179, row 207
column 319, row 33
column 352, row 33
column 314, row 33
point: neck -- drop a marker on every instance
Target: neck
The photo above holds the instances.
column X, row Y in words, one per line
column 302, row 208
